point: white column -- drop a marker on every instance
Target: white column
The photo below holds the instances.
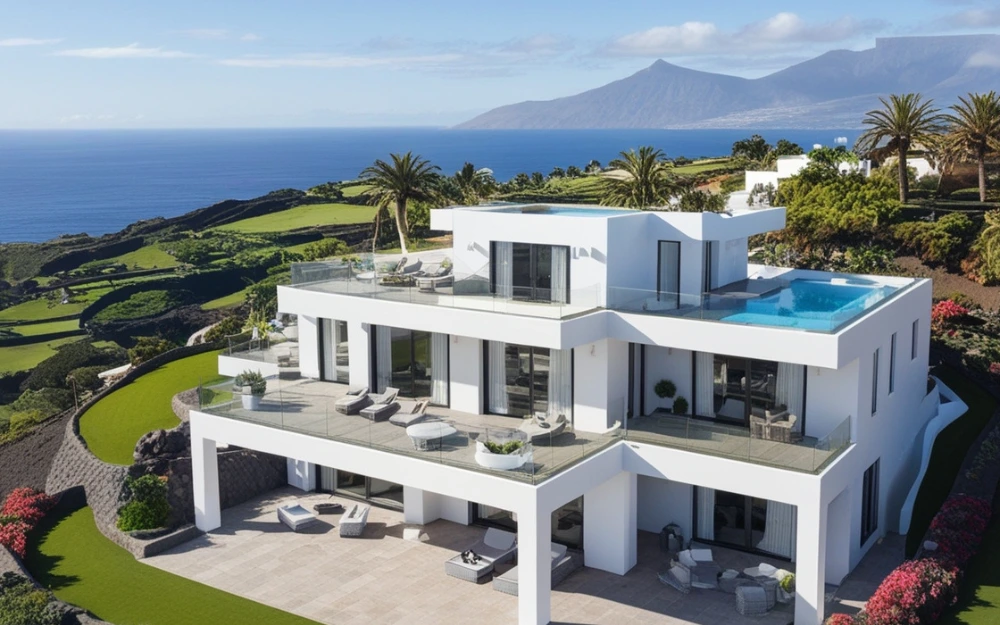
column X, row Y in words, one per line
column 810, row 561
column 418, row 506
column 590, row 387
column 205, row 480
column 301, row 474
column 309, row 347
column 838, row 537
column 534, row 564
column 466, row 372
column 610, row 524
column 359, row 353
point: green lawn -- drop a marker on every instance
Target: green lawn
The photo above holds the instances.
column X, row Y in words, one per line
column 24, row 357
column 304, row 217
column 698, row 167
column 72, row 558
column 949, row 452
column 233, row 299
column 355, row 190
column 113, row 425
column 148, row 257
column 37, row 329
column 40, row 310
column 979, row 592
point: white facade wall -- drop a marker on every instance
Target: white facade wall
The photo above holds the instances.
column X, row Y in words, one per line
column 466, row 371
column 308, row 345
column 662, row 502
column 763, row 178
column 667, row 363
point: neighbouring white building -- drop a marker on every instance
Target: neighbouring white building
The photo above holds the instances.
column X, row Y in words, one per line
column 806, row 394
column 788, row 166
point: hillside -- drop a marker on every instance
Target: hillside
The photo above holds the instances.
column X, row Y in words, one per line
column 832, row 90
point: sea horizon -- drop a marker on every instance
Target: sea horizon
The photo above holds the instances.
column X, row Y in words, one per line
column 55, row 182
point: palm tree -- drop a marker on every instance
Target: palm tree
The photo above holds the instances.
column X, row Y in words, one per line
column 407, row 177
column 647, row 181
column 903, row 121
column 475, row 184
column 973, row 132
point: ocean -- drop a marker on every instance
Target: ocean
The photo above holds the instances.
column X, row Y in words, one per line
column 67, row 182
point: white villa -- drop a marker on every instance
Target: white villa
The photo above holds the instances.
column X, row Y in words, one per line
column 763, row 409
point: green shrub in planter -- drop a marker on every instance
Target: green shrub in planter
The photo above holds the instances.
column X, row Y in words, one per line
column 680, row 405
column 252, row 381
column 147, row 506
column 787, row 583
column 665, row 388
column 506, row 449
column 22, row 603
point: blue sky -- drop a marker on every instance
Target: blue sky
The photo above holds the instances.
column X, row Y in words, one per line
column 222, row 63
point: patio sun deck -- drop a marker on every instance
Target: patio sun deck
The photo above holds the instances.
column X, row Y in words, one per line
column 307, row 406
column 395, row 574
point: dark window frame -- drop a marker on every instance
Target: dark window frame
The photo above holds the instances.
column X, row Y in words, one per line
column 914, row 335
column 892, row 363
column 875, row 359
column 659, row 269
column 869, row 502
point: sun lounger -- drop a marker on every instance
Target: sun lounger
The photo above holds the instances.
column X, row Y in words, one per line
column 563, row 565
column 382, row 406
column 409, row 413
column 356, row 399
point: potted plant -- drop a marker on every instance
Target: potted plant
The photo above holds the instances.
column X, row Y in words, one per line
column 253, row 386
column 680, row 405
column 665, row 389
column 786, row 588
column 502, row 456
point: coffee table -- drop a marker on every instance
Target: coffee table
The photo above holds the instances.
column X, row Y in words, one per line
column 428, row 435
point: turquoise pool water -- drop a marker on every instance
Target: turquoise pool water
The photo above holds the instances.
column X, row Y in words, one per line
column 566, row 210
column 807, row 304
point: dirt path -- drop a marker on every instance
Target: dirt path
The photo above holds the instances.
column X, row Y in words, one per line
column 945, row 284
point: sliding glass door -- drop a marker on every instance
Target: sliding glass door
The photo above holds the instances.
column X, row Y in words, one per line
column 357, row 486
column 668, row 273
column 535, row 272
column 334, row 353
column 744, row 522
column 414, row 361
column 731, row 388
column 567, row 521
column 524, row 380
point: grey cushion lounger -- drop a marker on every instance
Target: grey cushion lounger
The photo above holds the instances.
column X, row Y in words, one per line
column 409, row 413
column 382, row 406
column 563, row 565
column 357, row 398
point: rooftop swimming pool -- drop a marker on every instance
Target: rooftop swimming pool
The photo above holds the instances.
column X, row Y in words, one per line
column 822, row 305
column 570, row 211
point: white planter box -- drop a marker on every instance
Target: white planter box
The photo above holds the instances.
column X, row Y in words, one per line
column 500, row 462
column 251, row 402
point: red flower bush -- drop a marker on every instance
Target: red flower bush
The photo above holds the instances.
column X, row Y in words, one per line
column 945, row 311
column 840, row 619
column 958, row 528
column 916, row 592
column 22, row 510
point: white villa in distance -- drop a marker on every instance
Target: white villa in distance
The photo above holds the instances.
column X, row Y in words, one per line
column 800, row 435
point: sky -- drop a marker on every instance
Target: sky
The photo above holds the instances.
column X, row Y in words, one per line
column 295, row 63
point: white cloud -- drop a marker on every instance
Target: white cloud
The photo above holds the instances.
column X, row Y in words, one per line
column 341, row 62
column 780, row 30
column 26, row 41
column 250, row 37
column 131, row 51
column 541, row 45
column 205, row 33
column 974, row 18
column 984, row 59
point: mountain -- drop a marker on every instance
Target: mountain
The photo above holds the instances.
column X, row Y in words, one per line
column 832, row 90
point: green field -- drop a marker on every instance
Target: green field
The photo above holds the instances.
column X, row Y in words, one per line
column 148, row 257
column 698, row 167
column 50, row 327
column 113, row 426
column 949, row 452
column 304, row 217
column 355, row 190
column 25, row 357
column 226, row 301
column 40, row 310
column 69, row 556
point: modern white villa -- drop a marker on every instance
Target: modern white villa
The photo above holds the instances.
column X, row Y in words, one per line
column 649, row 374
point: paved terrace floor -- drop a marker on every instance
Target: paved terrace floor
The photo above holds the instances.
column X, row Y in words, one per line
column 307, row 406
column 728, row 441
column 394, row 574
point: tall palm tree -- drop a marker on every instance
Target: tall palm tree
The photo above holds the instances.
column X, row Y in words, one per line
column 647, row 181
column 903, row 120
column 475, row 184
column 407, row 177
column 973, row 132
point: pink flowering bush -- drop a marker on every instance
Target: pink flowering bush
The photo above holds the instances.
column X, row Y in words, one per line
column 22, row 510
column 840, row 619
column 915, row 593
column 994, row 369
column 945, row 311
column 958, row 528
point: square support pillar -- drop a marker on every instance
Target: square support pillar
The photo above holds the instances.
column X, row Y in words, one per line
column 534, row 565
column 301, row 474
column 309, row 347
column 810, row 561
column 205, row 481
column 419, row 506
column 610, row 524
column 359, row 354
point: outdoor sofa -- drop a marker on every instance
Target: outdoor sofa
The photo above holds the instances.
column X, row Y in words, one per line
column 295, row 516
column 352, row 524
column 563, row 565
column 496, row 546
column 382, row 406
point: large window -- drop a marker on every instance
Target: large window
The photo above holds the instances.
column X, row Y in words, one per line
column 529, row 271
column 567, row 521
column 523, row 380
column 668, row 272
column 745, row 522
column 869, row 503
column 334, row 353
column 357, row 486
column 875, row 382
column 414, row 361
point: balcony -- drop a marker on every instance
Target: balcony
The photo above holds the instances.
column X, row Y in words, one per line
column 810, row 455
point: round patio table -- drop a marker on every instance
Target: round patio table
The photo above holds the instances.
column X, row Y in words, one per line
column 426, row 436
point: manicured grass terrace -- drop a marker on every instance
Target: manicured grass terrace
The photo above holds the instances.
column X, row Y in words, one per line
column 304, row 217
column 24, row 357
column 73, row 559
column 148, row 257
column 47, row 327
column 114, row 425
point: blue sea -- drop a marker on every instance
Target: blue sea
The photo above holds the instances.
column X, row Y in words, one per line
column 67, row 182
